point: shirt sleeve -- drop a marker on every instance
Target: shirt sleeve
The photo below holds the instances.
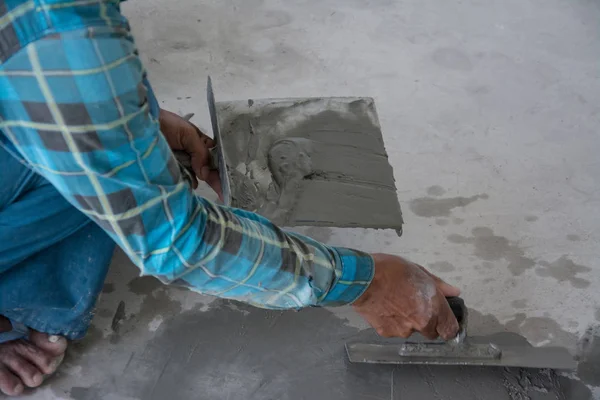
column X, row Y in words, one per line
column 77, row 107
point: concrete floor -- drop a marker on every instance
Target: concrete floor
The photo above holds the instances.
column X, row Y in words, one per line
column 490, row 114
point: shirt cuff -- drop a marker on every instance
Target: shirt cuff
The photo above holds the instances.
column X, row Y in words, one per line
column 353, row 274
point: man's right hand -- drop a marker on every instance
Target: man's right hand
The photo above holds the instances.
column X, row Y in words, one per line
column 404, row 297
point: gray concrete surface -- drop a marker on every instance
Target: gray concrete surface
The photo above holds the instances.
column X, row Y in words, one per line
column 490, row 113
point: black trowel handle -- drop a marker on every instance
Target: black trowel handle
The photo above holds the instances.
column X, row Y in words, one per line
column 457, row 304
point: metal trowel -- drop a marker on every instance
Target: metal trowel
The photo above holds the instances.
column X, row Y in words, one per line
column 462, row 350
column 216, row 153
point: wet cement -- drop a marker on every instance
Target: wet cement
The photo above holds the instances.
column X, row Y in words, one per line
column 310, row 162
column 233, row 351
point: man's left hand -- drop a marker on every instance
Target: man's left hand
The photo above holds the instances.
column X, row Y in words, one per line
column 185, row 136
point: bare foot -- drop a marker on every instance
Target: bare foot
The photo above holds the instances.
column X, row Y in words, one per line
column 24, row 363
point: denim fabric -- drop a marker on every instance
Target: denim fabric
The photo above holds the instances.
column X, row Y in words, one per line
column 53, row 259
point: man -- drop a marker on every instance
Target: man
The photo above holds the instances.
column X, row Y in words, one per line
column 86, row 162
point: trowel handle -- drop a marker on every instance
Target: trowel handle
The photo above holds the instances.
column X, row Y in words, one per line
column 457, row 304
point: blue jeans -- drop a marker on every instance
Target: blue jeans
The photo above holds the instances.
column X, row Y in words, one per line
column 53, row 259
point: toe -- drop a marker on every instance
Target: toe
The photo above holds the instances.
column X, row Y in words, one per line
column 23, row 369
column 10, row 385
column 54, row 345
column 45, row 362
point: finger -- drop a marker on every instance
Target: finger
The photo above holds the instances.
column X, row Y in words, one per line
column 190, row 139
column 430, row 330
column 207, row 140
column 393, row 327
column 197, row 150
column 214, row 181
column 447, row 289
column 447, row 325
column 169, row 121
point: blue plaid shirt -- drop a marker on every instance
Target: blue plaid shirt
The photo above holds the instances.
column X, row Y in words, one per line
column 76, row 107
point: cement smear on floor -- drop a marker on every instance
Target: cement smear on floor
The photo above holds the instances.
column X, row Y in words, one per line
column 149, row 341
column 233, row 351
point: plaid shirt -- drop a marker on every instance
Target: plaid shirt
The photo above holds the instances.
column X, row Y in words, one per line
column 75, row 106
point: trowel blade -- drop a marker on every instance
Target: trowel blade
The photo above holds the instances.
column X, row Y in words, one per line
column 512, row 356
column 212, row 108
column 219, row 149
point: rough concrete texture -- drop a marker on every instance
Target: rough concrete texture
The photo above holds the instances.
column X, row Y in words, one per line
column 309, row 162
column 475, row 98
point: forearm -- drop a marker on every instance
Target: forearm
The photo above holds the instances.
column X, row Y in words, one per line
column 95, row 136
column 257, row 262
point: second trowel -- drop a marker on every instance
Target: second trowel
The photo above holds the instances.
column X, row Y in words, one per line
column 462, row 350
